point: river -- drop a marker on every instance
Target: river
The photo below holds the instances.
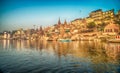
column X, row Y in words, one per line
column 24, row 56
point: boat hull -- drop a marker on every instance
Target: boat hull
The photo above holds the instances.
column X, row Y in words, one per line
column 64, row 40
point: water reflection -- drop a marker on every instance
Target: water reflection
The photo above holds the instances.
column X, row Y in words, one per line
column 97, row 51
column 84, row 56
column 113, row 52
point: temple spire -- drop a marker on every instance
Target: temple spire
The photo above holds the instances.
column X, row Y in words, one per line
column 65, row 22
column 59, row 22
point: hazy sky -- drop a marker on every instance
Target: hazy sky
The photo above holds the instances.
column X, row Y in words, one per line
column 16, row 14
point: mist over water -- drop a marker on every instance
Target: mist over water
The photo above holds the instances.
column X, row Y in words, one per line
column 57, row 57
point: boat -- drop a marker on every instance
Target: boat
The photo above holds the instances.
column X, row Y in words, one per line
column 64, row 40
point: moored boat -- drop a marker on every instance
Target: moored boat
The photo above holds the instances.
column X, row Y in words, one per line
column 64, row 40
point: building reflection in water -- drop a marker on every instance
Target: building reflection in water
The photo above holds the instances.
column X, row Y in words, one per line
column 113, row 51
column 6, row 44
column 96, row 51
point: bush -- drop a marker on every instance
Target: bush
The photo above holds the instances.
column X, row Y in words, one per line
column 91, row 25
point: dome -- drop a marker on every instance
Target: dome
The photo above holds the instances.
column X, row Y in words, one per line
column 112, row 26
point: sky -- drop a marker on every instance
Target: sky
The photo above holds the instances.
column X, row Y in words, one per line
column 15, row 14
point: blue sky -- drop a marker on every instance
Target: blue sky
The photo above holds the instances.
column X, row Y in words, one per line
column 15, row 14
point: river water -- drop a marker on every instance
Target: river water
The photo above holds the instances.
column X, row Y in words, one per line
column 59, row 57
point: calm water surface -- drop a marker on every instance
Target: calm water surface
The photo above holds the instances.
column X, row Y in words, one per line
column 56, row 57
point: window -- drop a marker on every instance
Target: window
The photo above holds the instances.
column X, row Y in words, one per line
column 110, row 30
column 116, row 30
column 106, row 30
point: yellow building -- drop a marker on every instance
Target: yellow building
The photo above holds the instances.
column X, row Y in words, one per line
column 99, row 16
column 108, row 15
column 117, row 16
column 96, row 15
column 79, row 22
column 76, row 21
column 19, row 34
column 88, row 19
column 6, row 35
column 111, row 29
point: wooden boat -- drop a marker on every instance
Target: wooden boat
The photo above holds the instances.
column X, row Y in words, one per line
column 64, row 40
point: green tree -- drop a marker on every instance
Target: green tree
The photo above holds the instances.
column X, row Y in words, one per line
column 117, row 22
column 91, row 25
column 102, row 26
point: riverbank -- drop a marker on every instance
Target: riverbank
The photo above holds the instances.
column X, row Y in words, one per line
column 104, row 38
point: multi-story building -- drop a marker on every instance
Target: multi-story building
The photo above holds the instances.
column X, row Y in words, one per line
column 1, row 35
column 7, row 35
column 108, row 16
column 96, row 15
column 88, row 19
column 99, row 16
column 19, row 34
column 78, row 22
column 117, row 16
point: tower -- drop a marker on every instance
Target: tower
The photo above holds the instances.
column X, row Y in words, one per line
column 65, row 22
column 59, row 22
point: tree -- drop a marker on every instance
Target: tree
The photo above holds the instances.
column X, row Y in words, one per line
column 117, row 22
column 91, row 25
column 102, row 26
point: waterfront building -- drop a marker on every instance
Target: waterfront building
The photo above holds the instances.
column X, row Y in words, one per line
column 41, row 32
column 77, row 26
column 6, row 35
column 28, row 33
column 108, row 15
column 99, row 16
column 19, row 34
column 96, row 15
column 117, row 17
column 1, row 35
column 88, row 19
column 111, row 29
column 77, row 22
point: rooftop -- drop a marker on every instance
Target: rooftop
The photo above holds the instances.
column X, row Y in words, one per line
column 112, row 26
